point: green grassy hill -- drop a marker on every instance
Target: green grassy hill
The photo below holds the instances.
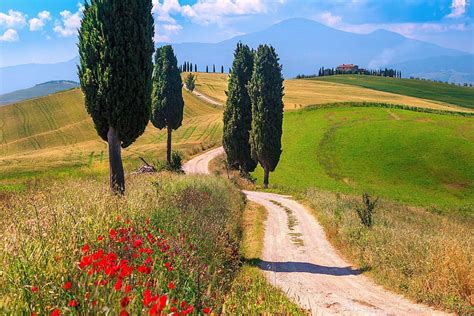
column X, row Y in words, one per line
column 413, row 157
column 442, row 92
column 54, row 134
column 39, row 90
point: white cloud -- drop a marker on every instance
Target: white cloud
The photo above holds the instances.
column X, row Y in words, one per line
column 37, row 24
column 329, row 19
column 14, row 19
column 212, row 11
column 10, row 35
column 458, row 8
column 71, row 22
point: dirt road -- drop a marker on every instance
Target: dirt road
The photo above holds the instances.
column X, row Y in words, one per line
column 298, row 258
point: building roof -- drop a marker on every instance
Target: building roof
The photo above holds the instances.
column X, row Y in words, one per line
column 347, row 66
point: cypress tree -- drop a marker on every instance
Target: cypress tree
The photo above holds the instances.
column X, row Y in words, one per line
column 214, row 68
column 207, row 68
column 167, row 98
column 222, row 69
column 195, row 68
column 238, row 112
column 115, row 71
column 266, row 95
column 191, row 67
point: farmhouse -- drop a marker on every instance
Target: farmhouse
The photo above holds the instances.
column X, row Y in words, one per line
column 347, row 68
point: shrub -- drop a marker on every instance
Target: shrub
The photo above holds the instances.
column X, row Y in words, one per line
column 190, row 82
column 174, row 166
column 366, row 212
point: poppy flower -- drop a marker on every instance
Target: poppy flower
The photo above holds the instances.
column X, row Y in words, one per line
column 171, row 285
column 118, row 285
column 73, row 303
column 128, row 288
column 100, row 237
column 207, row 310
column 33, row 314
column 67, row 285
column 137, row 243
column 124, row 313
column 125, row 301
column 34, row 289
column 85, row 249
column 56, row 312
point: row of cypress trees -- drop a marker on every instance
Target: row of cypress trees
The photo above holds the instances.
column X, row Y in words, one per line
column 123, row 89
column 253, row 115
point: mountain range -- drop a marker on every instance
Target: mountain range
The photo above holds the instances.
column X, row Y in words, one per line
column 303, row 47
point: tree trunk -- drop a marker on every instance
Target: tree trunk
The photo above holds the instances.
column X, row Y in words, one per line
column 265, row 177
column 117, row 179
column 168, row 146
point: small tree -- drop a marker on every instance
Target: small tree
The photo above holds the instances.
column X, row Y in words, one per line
column 214, row 68
column 190, row 82
column 222, row 69
column 266, row 94
column 195, row 68
column 366, row 212
column 207, row 69
column 115, row 72
column 191, row 67
column 167, row 97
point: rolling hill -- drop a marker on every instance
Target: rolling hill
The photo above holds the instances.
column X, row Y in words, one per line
column 54, row 135
column 39, row 90
column 300, row 93
column 320, row 46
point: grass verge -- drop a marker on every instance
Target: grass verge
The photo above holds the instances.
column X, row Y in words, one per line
column 425, row 256
column 171, row 244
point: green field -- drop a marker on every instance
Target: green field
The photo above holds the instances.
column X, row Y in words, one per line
column 419, row 158
column 442, row 92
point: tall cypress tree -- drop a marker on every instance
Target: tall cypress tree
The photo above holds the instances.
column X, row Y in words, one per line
column 115, row 71
column 238, row 112
column 195, row 68
column 222, row 69
column 167, row 97
column 266, row 95
column 207, row 68
column 213, row 68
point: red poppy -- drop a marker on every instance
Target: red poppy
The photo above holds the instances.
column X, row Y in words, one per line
column 33, row 314
column 85, row 249
column 118, row 285
column 73, row 303
column 171, row 285
column 56, row 312
column 124, row 313
column 137, row 243
column 112, row 233
column 34, row 289
column 125, row 301
column 207, row 310
column 67, row 285
column 128, row 288
column 100, row 237
column 144, row 269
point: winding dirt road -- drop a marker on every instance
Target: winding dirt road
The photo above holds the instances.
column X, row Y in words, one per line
column 298, row 258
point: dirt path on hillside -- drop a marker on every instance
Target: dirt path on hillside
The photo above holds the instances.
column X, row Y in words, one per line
column 298, row 258
column 205, row 98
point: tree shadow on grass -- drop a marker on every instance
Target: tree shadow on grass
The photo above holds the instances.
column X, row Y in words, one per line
column 302, row 267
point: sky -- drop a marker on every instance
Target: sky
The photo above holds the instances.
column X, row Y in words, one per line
column 45, row 31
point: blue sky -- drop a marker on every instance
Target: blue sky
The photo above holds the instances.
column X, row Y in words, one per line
column 45, row 31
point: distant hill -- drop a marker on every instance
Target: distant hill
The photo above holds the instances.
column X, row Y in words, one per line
column 25, row 76
column 445, row 68
column 303, row 46
column 39, row 90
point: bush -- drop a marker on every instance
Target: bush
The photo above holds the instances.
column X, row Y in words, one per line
column 174, row 166
column 366, row 212
column 190, row 82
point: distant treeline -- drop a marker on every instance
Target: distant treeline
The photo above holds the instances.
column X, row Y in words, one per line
column 190, row 67
column 465, row 84
column 387, row 72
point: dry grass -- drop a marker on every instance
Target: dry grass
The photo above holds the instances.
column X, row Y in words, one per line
column 43, row 229
column 301, row 93
column 424, row 255
column 217, row 167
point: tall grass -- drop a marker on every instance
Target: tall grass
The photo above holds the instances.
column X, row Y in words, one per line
column 43, row 231
column 424, row 255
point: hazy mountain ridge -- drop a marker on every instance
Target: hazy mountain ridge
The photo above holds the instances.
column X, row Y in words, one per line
column 303, row 46
column 38, row 90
